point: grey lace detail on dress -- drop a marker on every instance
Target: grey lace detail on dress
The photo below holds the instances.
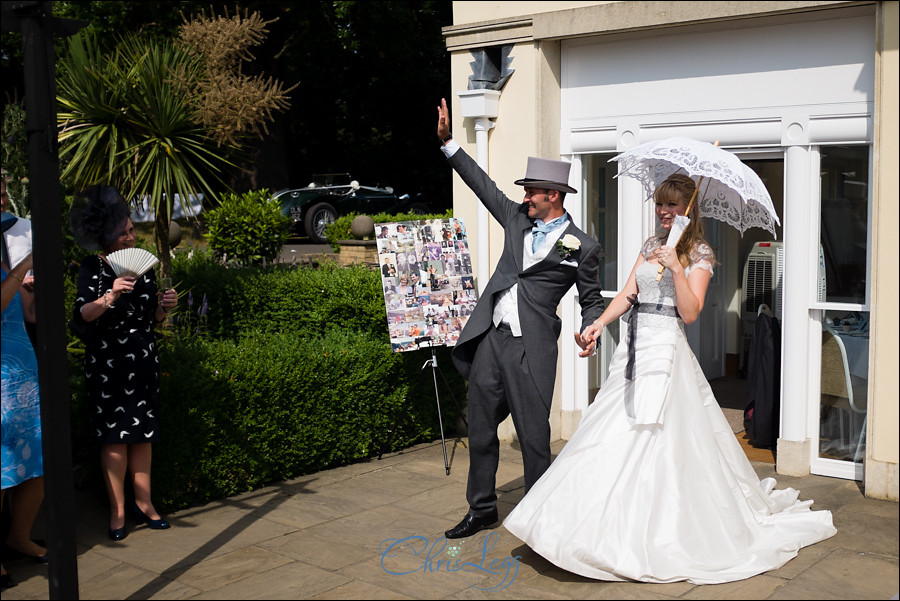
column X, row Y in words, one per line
column 663, row 292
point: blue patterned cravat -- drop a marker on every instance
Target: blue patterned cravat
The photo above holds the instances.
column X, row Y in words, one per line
column 541, row 229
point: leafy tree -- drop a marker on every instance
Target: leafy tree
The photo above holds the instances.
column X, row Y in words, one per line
column 153, row 19
column 369, row 75
column 124, row 121
column 15, row 158
column 230, row 103
column 143, row 116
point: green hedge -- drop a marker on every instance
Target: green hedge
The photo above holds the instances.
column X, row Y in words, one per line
column 280, row 299
column 238, row 415
column 287, row 371
column 340, row 229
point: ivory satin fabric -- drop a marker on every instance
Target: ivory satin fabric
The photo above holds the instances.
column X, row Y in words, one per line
column 654, row 486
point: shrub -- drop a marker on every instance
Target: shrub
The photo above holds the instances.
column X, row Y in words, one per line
column 281, row 299
column 240, row 414
column 247, row 229
column 340, row 229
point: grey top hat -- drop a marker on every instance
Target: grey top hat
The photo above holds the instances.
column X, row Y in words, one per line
column 544, row 173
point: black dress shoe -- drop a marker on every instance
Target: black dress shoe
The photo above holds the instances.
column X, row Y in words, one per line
column 160, row 524
column 117, row 534
column 470, row 525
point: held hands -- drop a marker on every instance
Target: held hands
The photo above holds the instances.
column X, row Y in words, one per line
column 587, row 340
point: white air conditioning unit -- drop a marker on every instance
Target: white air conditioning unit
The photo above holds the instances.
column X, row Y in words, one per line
column 763, row 281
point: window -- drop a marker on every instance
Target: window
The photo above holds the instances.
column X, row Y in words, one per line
column 602, row 223
column 844, row 222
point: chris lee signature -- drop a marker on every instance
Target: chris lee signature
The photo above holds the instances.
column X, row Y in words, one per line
column 441, row 555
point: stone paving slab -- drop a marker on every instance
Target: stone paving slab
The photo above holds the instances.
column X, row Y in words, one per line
column 323, row 536
column 844, row 575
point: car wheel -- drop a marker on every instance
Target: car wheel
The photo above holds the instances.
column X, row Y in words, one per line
column 418, row 209
column 317, row 219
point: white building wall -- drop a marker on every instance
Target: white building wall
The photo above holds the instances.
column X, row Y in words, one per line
column 776, row 66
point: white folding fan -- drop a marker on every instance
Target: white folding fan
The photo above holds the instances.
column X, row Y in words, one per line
column 131, row 261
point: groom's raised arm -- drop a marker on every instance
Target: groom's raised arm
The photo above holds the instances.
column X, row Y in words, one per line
column 497, row 203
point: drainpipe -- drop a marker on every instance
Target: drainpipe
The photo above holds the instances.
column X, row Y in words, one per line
column 482, row 106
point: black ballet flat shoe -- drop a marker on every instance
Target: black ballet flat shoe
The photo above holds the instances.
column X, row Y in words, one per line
column 117, row 534
column 470, row 525
column 160, row 524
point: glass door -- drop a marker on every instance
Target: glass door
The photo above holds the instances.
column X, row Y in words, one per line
column 842, row 311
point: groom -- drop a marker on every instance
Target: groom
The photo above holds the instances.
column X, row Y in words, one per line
column 508, row 348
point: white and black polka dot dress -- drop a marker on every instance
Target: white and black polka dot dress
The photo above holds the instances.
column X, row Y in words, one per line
column 120, row 361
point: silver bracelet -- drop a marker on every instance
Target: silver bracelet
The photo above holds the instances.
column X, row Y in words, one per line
column 106, row 305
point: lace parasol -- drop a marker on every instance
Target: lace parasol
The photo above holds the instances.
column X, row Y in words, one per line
column 729, row 192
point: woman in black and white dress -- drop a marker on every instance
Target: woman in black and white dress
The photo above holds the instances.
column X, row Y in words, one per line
column 120, row 359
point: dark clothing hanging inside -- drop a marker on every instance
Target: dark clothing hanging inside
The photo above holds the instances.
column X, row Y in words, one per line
column 764, row 385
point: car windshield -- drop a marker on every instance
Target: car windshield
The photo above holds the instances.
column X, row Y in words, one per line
column 331, row 179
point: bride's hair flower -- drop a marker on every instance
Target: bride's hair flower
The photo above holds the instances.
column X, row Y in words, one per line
column 567, row 245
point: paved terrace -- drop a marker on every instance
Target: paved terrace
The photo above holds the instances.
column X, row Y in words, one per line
column 320, row 536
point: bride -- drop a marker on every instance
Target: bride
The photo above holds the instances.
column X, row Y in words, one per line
column 654, row 486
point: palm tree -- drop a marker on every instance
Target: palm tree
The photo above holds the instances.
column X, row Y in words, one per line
column 126, row 120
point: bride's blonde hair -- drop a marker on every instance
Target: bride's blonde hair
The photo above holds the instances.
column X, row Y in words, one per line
column 678, row 187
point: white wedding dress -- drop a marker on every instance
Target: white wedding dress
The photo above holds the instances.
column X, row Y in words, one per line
column 654, row 486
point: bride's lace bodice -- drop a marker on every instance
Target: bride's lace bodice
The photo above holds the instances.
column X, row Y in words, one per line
column 651, row 292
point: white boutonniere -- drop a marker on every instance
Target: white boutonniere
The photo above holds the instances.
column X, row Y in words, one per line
column 566, row 245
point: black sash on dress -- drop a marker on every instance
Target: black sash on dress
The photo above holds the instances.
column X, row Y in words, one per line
column 636, row 307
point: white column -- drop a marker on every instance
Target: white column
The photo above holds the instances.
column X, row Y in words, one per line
column 482, row 126
column 793, row 443
column 482, row 106
column 796, row 304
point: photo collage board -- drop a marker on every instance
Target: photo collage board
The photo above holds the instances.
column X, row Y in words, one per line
column 429, row 289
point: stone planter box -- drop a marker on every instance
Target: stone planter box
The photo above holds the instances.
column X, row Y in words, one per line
column 358, row 252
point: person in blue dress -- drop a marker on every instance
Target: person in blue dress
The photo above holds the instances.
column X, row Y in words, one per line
column 20, row 434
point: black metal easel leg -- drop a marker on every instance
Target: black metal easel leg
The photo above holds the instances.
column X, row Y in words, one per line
column 435, row 369
column 433, row 363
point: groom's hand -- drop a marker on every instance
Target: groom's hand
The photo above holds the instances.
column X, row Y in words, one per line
column 443, row 126
column 587, row 343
